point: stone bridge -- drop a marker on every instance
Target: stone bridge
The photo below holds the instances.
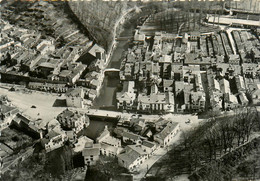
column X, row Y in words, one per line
column 111, row 70
column 124, row 38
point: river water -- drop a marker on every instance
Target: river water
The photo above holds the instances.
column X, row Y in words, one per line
column 107, row 99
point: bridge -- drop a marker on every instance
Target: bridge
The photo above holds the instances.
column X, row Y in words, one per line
column 111, row 70
column 123, row 38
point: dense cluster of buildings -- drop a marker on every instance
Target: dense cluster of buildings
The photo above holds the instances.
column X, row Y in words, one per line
column 190, row 73
column 142, row 139
column 51, row 56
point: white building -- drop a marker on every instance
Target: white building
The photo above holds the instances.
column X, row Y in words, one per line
column 125, row 99
column 165, row 136
column 7, row 113
column 75, row 98
column 91, row 153
column 73, row 120
column 134, row 156
column 156, row 102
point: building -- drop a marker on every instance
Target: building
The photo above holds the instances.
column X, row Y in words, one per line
column 27, row 124
column 81, row 142
column 54, row 141
column 243, row 99
column 73, row 120
column 91, row 153
column 156, row 102
column 151, row 145
column 95, row 52
column 168, row 85
column 195, row 101
column 139, row 37
column 106, row 138
column 75, row 98
column 240, row 83
column 194, row 36
column 165, row 136
column 230, row 101
column 131, row 137
column 58, row 88
column 108, row 150
column 224, row 86
column 134, row 156
column 234, row 59
column 126, row 98
column 7, row 113
column 255, row 95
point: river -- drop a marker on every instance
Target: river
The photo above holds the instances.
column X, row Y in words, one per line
column 107, row 99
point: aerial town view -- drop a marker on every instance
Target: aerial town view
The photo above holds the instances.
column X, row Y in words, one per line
column 102, row 90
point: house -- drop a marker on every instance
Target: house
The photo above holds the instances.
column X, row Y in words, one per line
column 168, row 85
column 216, row 100
column 71, row 135
column 134, row 156
column 106, row 138
column 230, row 101
column 255, row 95
column 165, row 136
column 91, row 153
column 81, row 142
column 224, row 86
column 234, row 59
column 73, row 120
column 92, row 94
column 126, row 98
column 243, row 99
column 54, row 140
column 194, row 36
column 109, row 150
column 45, row 47
column 196, row 102
column 7, row 113
column 96, row 65
column 77, row 70
column 256, row 55
column 95, row 84
column 151, row 145
column 140, row 37
column 156, row 102
column 137, row 124
column 4, row 152
column 93, row 53
column 240, row 83
column 134, row 138
column 47, row 68
column 75, row 98
column 27, row 124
